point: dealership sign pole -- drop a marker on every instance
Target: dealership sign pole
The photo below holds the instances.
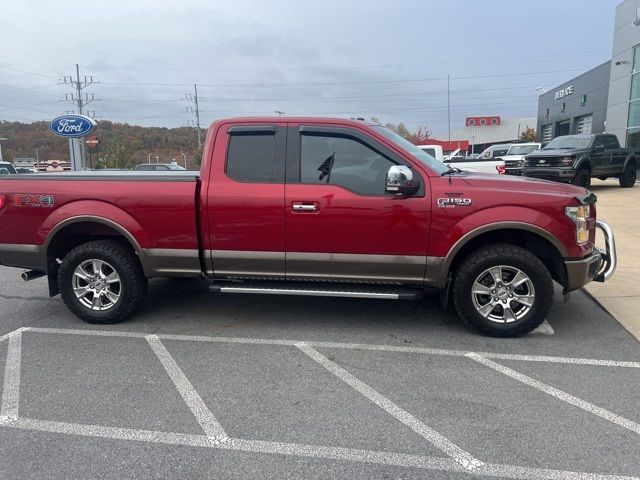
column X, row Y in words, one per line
column 73, row 127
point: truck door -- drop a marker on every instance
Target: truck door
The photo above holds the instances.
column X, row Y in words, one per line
column 617, row 156
column 600, row 159
column 341, row 225
column 245, row 202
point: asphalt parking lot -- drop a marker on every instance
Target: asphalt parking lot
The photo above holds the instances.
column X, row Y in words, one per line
column 237, row 386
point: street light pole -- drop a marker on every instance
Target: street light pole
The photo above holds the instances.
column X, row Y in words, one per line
column 2, row 140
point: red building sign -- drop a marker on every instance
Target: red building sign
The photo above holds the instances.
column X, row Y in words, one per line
column 490, row 121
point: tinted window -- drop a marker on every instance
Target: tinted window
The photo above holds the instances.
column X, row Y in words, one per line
column 343, row 161
column 250, row 156
column 610, row 142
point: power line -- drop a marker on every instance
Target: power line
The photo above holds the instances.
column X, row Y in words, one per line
column 365, row 82
column 196, row 111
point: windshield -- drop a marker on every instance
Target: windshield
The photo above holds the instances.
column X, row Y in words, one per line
column 409, row 147
column 569, row 142
column 522, row 149
column 9, row 169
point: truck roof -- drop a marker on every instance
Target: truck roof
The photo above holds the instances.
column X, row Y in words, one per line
column 292, row 119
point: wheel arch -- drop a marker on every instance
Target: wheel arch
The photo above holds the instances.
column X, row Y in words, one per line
column 584, row 162
column 79, row 229
column 631, row 158
column 541, row 243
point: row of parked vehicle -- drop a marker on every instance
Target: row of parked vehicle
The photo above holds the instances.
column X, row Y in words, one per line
column 572, row 159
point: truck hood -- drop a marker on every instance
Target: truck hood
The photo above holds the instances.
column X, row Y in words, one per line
column 512, row 157
column 557, row 153
column 512, row 183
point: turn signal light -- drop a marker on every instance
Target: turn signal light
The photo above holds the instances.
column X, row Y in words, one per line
column 500, row 169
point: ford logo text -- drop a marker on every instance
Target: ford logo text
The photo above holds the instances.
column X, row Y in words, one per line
column 72, row 125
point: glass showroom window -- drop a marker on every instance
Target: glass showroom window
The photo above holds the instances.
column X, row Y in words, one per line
column 633, row 122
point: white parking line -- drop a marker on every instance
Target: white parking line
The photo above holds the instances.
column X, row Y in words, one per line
column 559, row 394
column 461, row 456
column 11, row 385
column 308, row 451
column 348, row 346
column 203, row 415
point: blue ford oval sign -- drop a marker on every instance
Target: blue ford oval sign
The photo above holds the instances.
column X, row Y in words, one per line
column 72, row 125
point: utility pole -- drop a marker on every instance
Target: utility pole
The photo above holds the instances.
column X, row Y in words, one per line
column 448, row 110
column 79, row 100
column 193, row 97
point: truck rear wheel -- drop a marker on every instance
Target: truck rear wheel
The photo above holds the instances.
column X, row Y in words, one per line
column 582, row 178
column 102, row 281
column 502, row 290
column 628, row 176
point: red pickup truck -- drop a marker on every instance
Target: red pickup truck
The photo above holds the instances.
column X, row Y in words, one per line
column 307, row 206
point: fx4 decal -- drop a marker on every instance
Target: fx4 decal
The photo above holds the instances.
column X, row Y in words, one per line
column 450, row 202
column 32, row 200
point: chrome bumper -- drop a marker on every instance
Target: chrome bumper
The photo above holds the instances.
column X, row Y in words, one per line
column 608, row 258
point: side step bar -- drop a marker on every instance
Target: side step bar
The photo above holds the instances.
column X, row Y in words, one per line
column 319, row 290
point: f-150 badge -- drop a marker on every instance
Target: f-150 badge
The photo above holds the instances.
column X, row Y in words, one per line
column 30, row 200
column 450, row 202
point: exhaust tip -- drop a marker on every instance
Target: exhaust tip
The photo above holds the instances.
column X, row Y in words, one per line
column 29, row 275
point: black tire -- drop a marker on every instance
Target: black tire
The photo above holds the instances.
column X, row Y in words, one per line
column 132, row 284
column 510, row 256
column 628, row 176
column 582, row 178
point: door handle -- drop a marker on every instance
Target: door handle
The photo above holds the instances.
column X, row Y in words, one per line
column 305, row 207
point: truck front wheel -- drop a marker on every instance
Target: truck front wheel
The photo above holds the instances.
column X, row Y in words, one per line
column 502, row 290
column 582, row 178
column 102, row 281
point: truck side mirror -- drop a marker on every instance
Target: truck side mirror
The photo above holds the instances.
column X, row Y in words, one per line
column 400, row 179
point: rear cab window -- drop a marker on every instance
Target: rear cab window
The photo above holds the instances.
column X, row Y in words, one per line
column 255, row 154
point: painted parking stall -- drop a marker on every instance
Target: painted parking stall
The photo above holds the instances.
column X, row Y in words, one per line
column 442, row 452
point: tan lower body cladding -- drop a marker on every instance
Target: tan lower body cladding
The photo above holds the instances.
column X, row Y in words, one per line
column 344, row 267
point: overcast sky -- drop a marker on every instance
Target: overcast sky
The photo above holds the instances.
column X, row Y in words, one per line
column 384, row 59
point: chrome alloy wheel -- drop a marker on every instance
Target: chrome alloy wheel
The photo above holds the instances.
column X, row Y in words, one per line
column 96, row 284
column 503, row 294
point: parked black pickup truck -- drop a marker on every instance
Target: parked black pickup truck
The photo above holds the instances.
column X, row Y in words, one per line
column 577, row 159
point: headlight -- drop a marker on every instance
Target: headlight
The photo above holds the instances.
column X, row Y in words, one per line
column 568, row 160
column 579, row 215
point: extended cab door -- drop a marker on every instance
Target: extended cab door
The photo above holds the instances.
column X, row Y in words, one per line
column 341, row 224
column 245, row 201
column 600, row 159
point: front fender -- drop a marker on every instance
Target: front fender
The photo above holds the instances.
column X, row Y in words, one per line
column 583, row 162
column 630, row 158
column 500, row 218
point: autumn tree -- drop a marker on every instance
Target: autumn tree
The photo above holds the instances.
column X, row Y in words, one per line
column 529, row 135
column 417, row 137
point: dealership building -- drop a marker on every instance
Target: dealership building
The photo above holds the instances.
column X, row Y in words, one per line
column 607, row 97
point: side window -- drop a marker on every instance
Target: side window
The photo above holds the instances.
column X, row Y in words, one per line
column 610, row 142
column 344, row 161
column 250, row 156
column 598, row 142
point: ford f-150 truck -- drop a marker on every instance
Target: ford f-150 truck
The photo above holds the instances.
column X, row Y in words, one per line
column 307, row 206
column 579, row 158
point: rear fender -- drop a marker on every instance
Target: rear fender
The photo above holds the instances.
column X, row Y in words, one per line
column 98, row 212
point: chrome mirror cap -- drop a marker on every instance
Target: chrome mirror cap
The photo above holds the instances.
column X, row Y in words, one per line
column 400, row 180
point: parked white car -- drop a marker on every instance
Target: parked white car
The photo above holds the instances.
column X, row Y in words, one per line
column 487, row 162
column 7, row 168
column 517, row 151
column 434, row 150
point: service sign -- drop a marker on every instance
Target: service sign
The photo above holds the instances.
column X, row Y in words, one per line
column 72, row 125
